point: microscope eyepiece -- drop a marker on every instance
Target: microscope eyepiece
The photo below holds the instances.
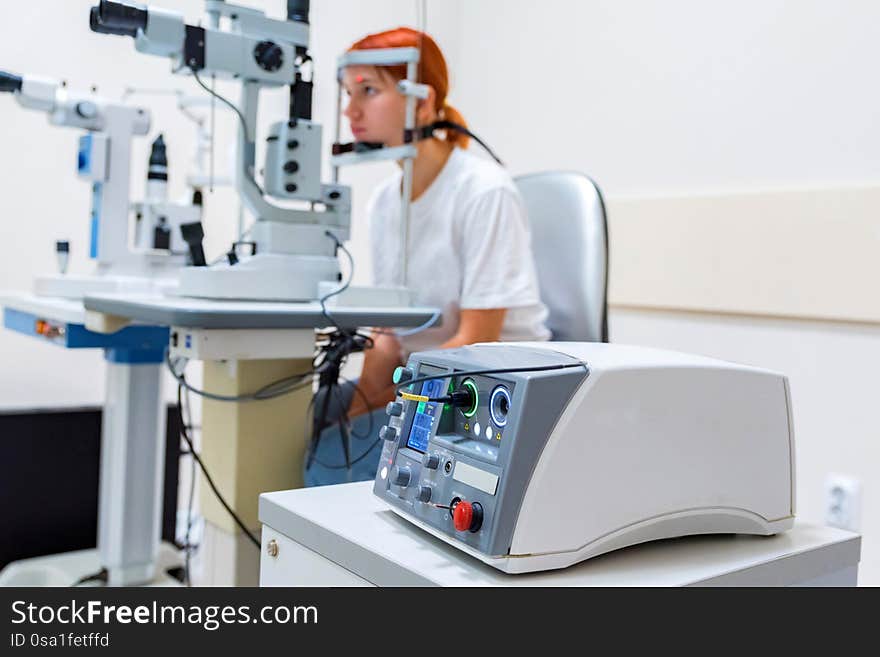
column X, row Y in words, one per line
column 117, row 18
column 9, row 82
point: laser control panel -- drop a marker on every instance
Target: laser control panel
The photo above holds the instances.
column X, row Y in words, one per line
column 458, row 447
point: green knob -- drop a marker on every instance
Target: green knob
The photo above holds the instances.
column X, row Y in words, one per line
column 402, row 375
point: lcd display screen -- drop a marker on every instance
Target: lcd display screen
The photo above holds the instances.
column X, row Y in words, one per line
column 425, row 416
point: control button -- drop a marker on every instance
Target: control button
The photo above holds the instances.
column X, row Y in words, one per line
column 388, row 433
column 402, row 375
column 86, row 109
column 290, row 188
column 477, row 429
column 400, row 476
column 467, row 516
column 431, row 461
column 489, row 433
column 293, row 143
column 291, row 166
column 474, row 398
column 425, row 493
column 394, row 409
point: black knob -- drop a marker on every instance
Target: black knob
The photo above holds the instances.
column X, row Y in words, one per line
column 334, row 195
column 394, row 409
column 431, row 461
column 293, row 143
column 401, row 476
column 425, row 493
column 291, row 166
column 290, row 187
column 388, row 433
column 269, row 56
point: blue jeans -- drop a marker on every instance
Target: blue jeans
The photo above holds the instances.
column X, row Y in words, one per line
column 328, row 466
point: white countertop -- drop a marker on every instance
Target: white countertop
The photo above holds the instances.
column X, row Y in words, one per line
column 348, row 525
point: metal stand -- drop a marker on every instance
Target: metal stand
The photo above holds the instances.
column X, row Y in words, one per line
column 132, row 447
column 132, row 462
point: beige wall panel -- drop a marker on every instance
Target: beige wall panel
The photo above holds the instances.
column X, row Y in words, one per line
column 793, row 253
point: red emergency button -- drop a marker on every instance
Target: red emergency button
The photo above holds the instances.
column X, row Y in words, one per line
column 462, row 516
column 467, row 516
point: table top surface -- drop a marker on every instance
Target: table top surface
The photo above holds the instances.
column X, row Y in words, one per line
column 206, row 313
column 70, row 311
column 352, row 527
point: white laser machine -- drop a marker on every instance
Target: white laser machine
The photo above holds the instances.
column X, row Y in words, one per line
column 535, row 456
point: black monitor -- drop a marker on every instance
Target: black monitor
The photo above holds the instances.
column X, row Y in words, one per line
column 49, row 473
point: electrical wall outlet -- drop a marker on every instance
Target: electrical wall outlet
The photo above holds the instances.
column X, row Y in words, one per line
column 843, row 502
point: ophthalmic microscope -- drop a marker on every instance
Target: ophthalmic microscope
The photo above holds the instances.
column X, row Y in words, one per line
column 130, row 254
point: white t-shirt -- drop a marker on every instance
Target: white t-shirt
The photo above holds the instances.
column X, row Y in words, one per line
column 469, row 248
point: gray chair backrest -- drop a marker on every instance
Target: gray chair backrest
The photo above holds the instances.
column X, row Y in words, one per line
column 569, row 240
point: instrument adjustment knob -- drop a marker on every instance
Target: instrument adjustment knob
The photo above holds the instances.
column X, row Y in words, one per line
column 269, row 56
column 402, row 375
column 400, row 476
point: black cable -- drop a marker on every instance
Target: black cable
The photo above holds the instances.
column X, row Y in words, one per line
column 334, row 353
column 187, row 546
column 428, row 131
column 312, row 448
column 185, row 435
column 231, row 106
column 345, row 416
column 507, row 370
column 100, row 576
column 278, row 388
column 216, row 95
column 343, row 287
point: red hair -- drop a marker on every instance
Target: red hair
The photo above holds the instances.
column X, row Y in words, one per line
column 432, row 70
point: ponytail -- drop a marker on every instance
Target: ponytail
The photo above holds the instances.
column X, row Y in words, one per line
column 454, row 137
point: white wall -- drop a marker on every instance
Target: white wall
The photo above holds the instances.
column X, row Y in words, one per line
column 681, row 95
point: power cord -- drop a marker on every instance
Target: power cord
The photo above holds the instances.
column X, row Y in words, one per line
column 272, row 390
column 187, row 544
column 344, row 418
column 185, row 435
column 231, row 106
column 506, row 370
column 100, row 576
